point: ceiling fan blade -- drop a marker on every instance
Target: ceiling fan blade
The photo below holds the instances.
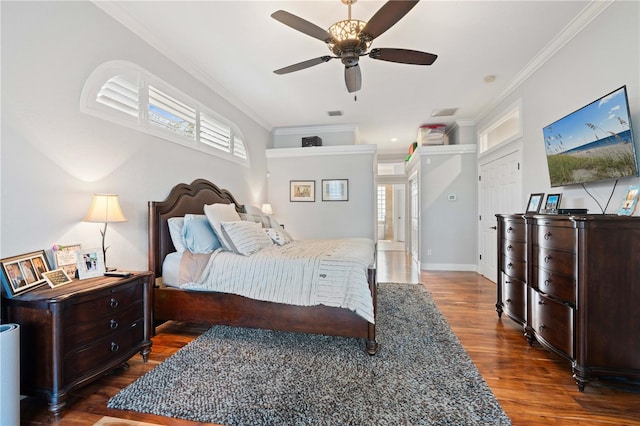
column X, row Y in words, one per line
column 403, row 56
column 302, row 65
column 353, row 78
column 301, row 25
column 390, row 13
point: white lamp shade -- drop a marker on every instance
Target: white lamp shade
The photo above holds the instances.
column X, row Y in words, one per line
column 105, row 208
column 266, row 208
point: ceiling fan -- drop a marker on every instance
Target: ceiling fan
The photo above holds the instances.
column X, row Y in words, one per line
column 350, row 39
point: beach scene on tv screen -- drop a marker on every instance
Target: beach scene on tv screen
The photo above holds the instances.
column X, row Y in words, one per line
column 593, row 143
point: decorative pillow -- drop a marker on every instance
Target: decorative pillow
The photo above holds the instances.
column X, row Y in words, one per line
column 218, row 213
column 277, row 235
column 275, row 225
column 198, row 235
column 175, row 231
column 246, row 237
column 263, row 219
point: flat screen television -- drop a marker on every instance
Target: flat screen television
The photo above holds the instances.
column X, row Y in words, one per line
column 593, row 143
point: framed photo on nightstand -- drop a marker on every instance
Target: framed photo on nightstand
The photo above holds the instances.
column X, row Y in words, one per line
column 90, row 263
column 23, row 273
column 56, row 278
column 535, row 202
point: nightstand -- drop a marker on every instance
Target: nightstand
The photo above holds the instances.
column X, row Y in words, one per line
column 78, row 332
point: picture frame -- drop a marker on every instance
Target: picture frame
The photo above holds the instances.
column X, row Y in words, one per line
column 302, row 190
column 552, row 203
column 535, row 202
column 90, row 263
column 56, row 278
column 335, row 189
column 64, row 257
column 630, row 201
column 23, row 273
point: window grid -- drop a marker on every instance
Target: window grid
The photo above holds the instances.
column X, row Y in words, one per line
column 382, row 203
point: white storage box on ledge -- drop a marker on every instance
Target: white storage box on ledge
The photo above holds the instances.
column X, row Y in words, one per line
column 431, row 134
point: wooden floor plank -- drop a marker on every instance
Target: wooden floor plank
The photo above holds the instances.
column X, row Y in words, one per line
column 533, row 385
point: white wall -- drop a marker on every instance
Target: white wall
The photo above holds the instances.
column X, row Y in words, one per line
column 448, row 206
column 291, row 137
column 324, row 219
column 54, row 157
column 603, row 57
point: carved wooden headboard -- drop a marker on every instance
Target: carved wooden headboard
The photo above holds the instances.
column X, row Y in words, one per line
column 182, row 199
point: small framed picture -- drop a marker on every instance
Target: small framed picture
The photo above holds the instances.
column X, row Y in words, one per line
column 535, row 202
column 302, row 190
column 552, row 203
column 630, row 201
column 23, row 273
column 90, row 263
column 56, row 278
column 64, row 257
column 335, row 189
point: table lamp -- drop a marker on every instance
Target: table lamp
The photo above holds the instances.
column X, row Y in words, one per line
column 266, row 209
column 105, row 208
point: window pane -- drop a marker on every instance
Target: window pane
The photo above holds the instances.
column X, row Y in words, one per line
column 215, row 133
column 120, row 94
column 171, row 114
column 239, row 149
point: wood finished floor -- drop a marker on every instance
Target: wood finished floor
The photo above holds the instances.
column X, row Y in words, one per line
column 533, row 385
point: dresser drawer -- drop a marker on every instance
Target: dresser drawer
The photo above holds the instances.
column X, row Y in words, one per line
column 552, row 284
column 103, row 351
column 552, row 323
column 514, row 293
column 515, row 268
column 103, row 303
column 514, row 249
column 86, row 332
column 515, row 230
column 555, row 237
column 560, row 262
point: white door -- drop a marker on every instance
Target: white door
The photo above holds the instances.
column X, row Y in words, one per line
column 399, row 221
column 499, row 190
column 414, row 208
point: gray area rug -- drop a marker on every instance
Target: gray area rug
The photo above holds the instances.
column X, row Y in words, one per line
column 240, row 376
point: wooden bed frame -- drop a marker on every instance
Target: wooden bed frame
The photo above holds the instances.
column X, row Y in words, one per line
column 229, row 309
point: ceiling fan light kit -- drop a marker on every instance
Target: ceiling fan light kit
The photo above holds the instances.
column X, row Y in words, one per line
column 350, row 39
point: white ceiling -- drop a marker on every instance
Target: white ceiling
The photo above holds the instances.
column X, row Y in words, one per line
column 234, row 46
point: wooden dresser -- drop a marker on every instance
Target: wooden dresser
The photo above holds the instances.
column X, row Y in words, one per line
column 512, row 267
column 583, row 291
column 78, row 332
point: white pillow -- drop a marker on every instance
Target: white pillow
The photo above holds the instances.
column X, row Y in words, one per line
column 218, row 213
column 175, row 231
column 246, row 237
column 277, row 235
column 198, row 236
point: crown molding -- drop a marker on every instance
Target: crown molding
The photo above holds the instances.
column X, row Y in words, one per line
column 315, row 151
column 117, row 12
column 569, row 32
column 334, row 128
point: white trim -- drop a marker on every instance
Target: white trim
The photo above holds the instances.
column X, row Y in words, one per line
column 569, row 32
column 439, row 150
column 316, row 151
column 448, row 267
column 503, row 117
column 278, row 131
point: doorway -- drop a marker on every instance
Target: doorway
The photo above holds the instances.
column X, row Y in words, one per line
column 391, row 217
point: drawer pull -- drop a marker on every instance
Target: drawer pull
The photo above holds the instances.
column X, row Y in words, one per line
column 508, row 301
column 540, row 302
column 509, row 230
column 113, row 303
column 509, row 247
column 542, row 327
column 509, row 265
column 547, row 259
column 547, row 282
column 113, row 324
column 114, row 347
column 547, row 236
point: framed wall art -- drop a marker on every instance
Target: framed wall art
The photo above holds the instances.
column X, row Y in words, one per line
column 90, row 263
column 302, row 190
column 23, row 273
column 335, row 189
column 535, row 202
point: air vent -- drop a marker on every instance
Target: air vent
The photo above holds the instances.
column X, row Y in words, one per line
column 443, row 112
column 334, row 113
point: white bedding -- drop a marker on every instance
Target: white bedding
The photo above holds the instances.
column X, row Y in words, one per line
column 304, row 273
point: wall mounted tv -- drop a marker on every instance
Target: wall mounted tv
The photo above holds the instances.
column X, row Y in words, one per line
column 593, row 143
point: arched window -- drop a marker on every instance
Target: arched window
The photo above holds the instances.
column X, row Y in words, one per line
column 126, row 94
